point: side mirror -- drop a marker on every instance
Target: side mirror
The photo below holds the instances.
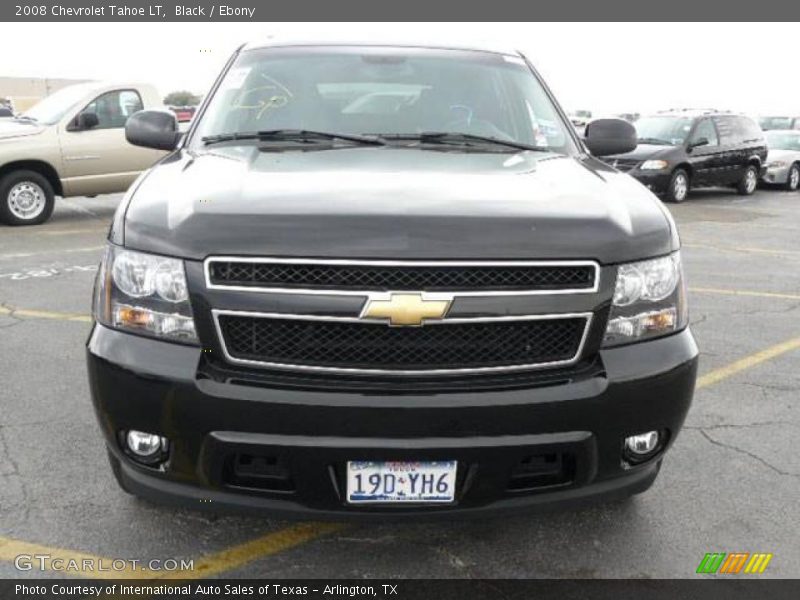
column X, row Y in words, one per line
column 153, row 129
column 604, row 137
column 6, row 112
column 698, row 142
column 84, row 121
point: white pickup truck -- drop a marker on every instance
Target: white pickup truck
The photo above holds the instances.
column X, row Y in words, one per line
column 72, row 143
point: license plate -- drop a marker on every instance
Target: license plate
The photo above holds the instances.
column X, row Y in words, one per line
column 400, row 482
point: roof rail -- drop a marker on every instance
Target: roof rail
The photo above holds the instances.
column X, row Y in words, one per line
column 698, row 111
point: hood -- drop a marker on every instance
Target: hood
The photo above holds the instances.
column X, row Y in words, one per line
column 785, row 155
column 12, row 128
column 393, row 202
column 645, row 152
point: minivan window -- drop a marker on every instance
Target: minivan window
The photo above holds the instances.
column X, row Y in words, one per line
column 705, row 129
column 373, row 90
column 748, row 130
column 666, row 130
column 728, row 129
column 736, row 129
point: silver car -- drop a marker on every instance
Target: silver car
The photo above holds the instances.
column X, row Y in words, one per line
column 783, row 160
column 770, row 123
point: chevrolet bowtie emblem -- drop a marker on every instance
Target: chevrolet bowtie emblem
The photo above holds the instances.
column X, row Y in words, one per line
column 406, row 309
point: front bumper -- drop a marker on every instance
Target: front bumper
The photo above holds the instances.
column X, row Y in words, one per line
column 775, row 175
column 308, row 434
column 656, row 181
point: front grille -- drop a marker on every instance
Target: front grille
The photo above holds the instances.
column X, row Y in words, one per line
column 623, row 164
column 332, row 344
column 391, row 277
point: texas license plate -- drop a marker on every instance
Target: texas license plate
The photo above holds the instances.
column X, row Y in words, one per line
column 396, row 482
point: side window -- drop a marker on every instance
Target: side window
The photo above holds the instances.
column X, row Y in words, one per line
column 748, row 130
column 727, row 131
column 114, row 108
column 706, row 129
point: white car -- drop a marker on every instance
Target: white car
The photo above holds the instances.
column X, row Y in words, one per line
column 783, row 160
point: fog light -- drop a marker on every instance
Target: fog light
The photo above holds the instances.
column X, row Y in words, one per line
column 145, row 445
column 642, row 444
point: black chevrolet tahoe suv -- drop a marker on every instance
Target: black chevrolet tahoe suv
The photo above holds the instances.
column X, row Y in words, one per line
column 387, row 281
column 683, row 149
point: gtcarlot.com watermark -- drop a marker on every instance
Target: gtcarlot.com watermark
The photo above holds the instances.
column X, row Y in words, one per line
column 48, row 562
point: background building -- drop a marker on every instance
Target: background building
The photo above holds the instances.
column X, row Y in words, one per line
column 24, row 92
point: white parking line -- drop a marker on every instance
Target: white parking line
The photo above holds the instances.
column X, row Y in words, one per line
column 43, row 273
column 78, row 208
column 53, row 251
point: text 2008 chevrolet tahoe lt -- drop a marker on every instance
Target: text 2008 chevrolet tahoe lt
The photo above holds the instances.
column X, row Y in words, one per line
column 387, row 281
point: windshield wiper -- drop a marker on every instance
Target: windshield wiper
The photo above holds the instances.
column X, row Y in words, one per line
column 445, row 137
column 291, row 135
column 654, row 141
column 25, row 118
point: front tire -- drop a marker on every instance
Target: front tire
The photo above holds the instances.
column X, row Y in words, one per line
column 793, row 180
column 26, row 198
column 749, row 182
column 679, row 186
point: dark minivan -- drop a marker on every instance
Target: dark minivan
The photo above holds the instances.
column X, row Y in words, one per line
column 379, row 280
column 684, row 149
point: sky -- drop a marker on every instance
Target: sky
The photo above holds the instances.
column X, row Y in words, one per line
column 603, row 67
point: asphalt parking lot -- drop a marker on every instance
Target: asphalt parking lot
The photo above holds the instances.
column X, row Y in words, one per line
column 730, row 484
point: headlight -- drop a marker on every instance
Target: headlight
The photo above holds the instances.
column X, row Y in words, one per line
column 654, row 165
column 777, row 164
column 144, row 293
column 649, row 301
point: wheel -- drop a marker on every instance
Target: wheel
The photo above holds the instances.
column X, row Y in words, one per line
column 678, row 186
column 26, row 198
column 749, row 181
column 793, row 180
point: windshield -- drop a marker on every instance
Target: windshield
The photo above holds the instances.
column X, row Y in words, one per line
column 376, row 91
column 52, row 108
column 665, row 130
column 775, row 123
column 783, row 140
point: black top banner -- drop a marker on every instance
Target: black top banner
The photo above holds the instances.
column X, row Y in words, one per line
column 397, row 10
